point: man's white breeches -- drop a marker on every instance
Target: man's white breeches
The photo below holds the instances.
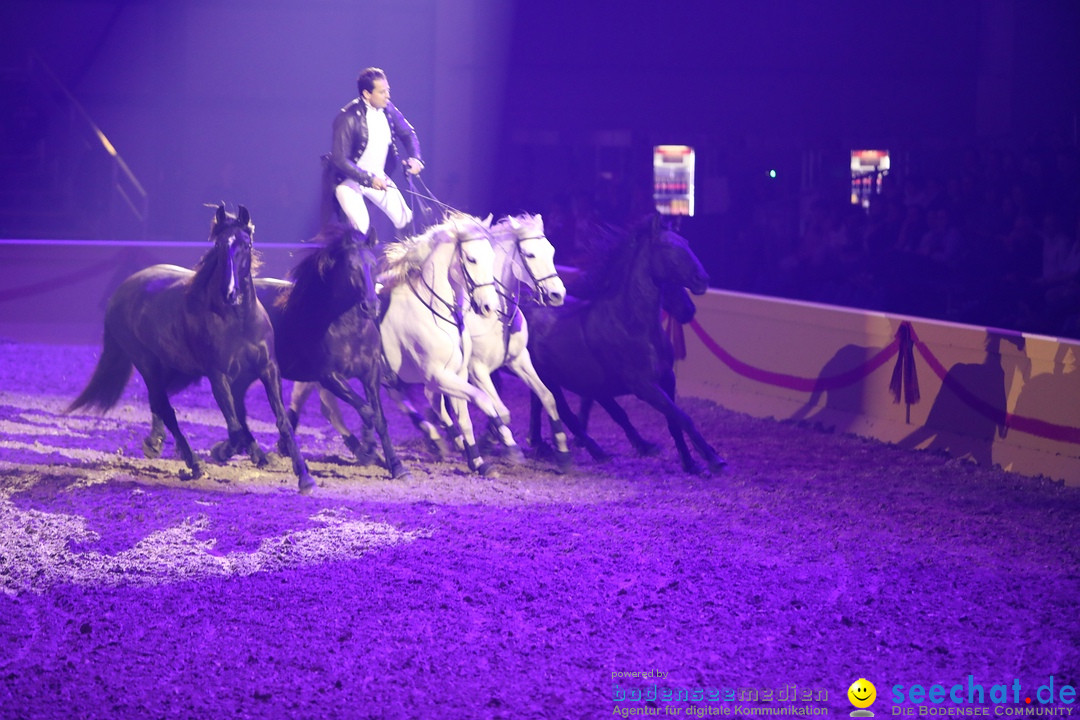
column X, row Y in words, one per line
column 350, row 195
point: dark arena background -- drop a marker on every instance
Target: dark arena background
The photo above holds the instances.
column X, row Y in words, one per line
column 828, row 570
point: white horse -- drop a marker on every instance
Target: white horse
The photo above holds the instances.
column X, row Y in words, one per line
column 432, row 281
column 524, row 260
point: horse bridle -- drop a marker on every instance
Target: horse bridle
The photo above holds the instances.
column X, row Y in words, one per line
column 231, row 289
column 471, row 286
column 537, row 282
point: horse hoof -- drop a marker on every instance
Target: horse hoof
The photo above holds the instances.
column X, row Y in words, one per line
column 563, row 461
column 717, row 465
column 486, row 469
column 400, row 472
column 151, row 449
column 648, row 449
column 259, row 458
column 692, row 468
column 363, row 454
column 436, row 448
column 306, row 484
column 513, row 455
column 194, row 472
column 598, row 453
column 222, row 451
column 543, row 451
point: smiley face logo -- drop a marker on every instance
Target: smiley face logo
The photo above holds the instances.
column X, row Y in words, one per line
column 862, row 693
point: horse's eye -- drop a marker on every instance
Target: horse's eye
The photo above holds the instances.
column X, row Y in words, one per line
column 530, row 256
column 470, row 259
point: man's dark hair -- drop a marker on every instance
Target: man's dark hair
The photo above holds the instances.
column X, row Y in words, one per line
column 366, row 80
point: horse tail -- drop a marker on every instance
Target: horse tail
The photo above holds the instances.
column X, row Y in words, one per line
column 109, row 380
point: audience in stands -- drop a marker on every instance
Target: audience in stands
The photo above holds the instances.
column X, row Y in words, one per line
column 989, row 237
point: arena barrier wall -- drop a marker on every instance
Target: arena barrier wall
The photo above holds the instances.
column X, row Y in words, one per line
column 993, row 396
column 55, row 291
column 988, row 395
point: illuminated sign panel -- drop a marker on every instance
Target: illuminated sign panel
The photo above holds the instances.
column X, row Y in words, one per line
column 673, row 179
column 868, row 171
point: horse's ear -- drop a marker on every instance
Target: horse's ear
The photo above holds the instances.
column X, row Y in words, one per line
column 243, row 216
column 219, row 216
column 514, row 224
column 486, row 222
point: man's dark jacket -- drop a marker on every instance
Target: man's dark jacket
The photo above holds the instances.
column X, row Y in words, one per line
column 350, row 137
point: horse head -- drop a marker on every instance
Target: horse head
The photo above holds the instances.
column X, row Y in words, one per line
column 671, row 261
column 473, row 268
column 233, row 236
column 537, row 257
column 676, row 302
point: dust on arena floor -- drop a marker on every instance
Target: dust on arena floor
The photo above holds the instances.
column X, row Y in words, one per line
column 815, row 559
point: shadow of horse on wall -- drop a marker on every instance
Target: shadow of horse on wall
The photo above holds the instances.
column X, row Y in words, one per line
column 970, row 411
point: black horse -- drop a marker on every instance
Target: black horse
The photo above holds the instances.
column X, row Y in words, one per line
column 324, row 321
column 675, row 300
column 177, row 325
column 611, row 344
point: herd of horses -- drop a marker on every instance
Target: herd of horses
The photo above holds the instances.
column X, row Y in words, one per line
column 444, row 309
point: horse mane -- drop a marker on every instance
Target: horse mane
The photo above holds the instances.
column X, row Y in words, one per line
column 402, row 258
column 501, row 231
column 606, row 253
column 316, row 262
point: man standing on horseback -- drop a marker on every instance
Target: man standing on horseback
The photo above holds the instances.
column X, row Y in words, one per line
column 365, row 150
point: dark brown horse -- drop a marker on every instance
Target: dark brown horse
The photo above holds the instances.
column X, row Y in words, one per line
column 176, row 326
column 675, row 300
column 324, row 321
column 610, row 344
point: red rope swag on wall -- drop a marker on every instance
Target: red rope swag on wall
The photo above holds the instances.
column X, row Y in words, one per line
column 904, row 383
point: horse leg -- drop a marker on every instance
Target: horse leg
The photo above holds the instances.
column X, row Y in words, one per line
column 584, row 410
column 162, row 409
column 523, row 368
column 153, row 442
column 443, row 415
column 372, row 384
column 230, row 400
column 339, row 387
column 667, row 384
column 271, row 380
column 461, row 392
column 428, row 429
column 595, row 451
column 300, row 393
column 481, row 377
column 536, row 438
column 331, row 410
column 641, row 445
column 254, row 451
column 655, row 396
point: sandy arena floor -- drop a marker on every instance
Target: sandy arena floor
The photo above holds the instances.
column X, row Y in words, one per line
column 814, row 560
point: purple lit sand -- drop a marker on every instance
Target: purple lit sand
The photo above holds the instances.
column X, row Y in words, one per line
column 815, row 559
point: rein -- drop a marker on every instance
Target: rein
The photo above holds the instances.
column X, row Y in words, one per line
column 528, row 268
column 457, row 319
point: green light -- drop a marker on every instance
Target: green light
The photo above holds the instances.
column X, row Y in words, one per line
column 772, row 173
